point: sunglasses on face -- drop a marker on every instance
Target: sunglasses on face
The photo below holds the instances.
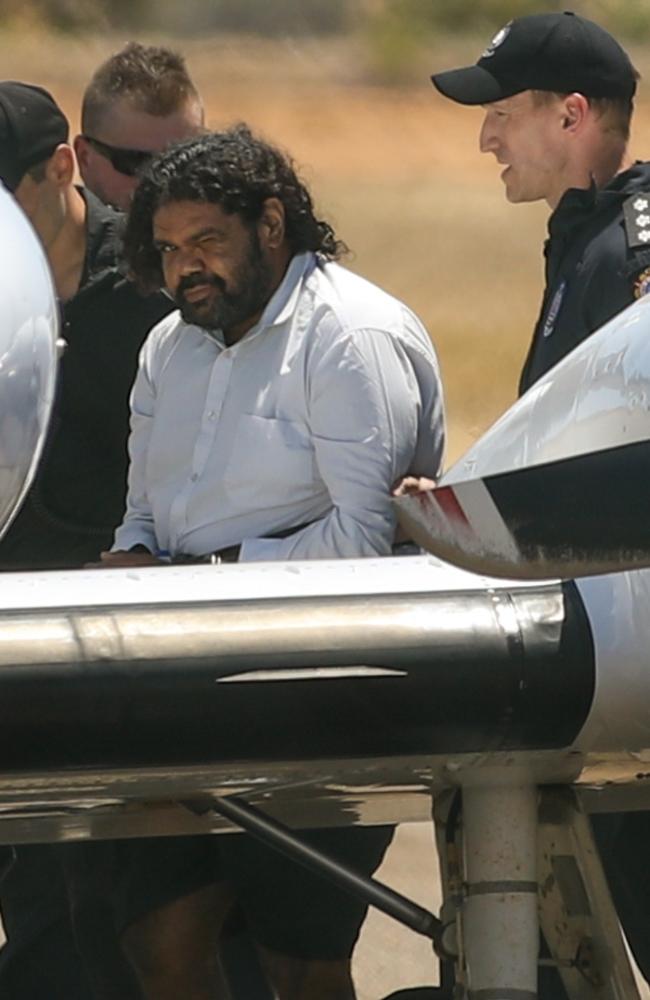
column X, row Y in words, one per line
column 125, row 161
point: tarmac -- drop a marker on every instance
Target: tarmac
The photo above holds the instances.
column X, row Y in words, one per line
column 389, row 956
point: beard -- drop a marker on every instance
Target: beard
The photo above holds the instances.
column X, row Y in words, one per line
column 233, row 303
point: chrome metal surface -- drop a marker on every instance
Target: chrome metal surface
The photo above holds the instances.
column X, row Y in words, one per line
column 333, row 693
column 28, row 334
column 311, row 678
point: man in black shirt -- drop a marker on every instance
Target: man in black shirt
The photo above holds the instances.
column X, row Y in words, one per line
column 77, row 497
column 138, row 102
column 558, row 94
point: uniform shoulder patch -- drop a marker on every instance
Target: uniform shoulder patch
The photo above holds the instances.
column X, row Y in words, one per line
column 642, row 284
column 636, row 212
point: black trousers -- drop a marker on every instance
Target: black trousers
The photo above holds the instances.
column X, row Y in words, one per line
column 61, row 938
column 40, row 958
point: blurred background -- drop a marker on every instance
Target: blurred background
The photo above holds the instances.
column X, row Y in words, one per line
column 344, row 86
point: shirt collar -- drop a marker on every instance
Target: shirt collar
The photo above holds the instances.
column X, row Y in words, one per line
column 581, row 204
column 282, row 303
column 103, row 234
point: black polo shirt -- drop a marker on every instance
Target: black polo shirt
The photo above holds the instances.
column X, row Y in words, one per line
column 78, row 495
column 592, row 268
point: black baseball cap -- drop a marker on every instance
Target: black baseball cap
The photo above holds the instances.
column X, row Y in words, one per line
column 31, row 127
column 559, row 52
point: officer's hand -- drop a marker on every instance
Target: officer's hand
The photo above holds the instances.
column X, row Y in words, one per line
column 114, row 560
column 412, row 484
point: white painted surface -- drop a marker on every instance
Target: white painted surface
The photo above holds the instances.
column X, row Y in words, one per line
column 232, row 582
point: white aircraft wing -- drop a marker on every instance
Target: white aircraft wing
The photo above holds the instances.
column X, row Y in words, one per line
column 560, row 485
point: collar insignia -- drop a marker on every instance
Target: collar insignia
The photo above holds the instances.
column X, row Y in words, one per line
column 637, row 220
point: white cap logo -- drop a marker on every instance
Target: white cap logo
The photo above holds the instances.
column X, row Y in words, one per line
column 498, row 40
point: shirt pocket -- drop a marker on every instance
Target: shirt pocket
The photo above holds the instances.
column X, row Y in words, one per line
column 271, row 458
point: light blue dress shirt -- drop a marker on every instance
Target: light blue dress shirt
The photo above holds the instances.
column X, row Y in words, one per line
column 307, row 420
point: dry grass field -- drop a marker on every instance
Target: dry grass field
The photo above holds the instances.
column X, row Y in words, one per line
column 399, row 173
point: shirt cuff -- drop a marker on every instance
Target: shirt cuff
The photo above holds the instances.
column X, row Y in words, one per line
column 127, row 536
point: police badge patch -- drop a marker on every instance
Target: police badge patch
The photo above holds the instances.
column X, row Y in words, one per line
column 552, row 314
column 642, row 284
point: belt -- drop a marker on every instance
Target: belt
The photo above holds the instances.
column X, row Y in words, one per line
column 230, row 554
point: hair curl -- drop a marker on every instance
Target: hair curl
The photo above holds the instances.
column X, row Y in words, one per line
column 235, row 170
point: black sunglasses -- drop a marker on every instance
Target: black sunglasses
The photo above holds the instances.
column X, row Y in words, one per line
column 125, row 161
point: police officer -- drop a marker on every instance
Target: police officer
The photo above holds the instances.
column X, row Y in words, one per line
column 558, row 95
column 72, row 507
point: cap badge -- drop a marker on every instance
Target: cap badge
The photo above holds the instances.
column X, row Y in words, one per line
column 498, row 40
column 642, row 284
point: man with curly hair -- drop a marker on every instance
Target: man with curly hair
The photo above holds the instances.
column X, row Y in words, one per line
column 270, row 416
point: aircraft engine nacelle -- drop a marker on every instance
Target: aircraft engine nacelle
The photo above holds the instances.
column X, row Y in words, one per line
column 352, row 685
column 28, row 336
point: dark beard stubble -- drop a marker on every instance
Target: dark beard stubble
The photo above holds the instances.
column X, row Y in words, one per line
column 249, row 292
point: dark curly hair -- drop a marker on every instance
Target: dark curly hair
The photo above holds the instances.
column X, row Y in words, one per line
column 235, row 170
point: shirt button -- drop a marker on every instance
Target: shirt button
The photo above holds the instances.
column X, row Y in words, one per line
column 194, row 477
column 211, row 415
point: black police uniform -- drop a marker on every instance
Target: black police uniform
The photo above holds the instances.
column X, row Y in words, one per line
column 68, row 517
column 597, row 263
